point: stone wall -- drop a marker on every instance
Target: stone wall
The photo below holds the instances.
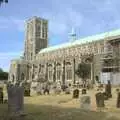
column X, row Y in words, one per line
column 47, row 65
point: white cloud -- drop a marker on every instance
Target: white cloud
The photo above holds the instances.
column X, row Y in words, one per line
column 11, row 23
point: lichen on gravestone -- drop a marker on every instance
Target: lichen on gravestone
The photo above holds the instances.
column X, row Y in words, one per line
column 15, row 99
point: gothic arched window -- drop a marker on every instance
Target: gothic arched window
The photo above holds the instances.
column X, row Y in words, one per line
column 22, row 76
column 13, row 78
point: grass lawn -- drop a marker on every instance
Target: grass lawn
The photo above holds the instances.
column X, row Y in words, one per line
column 60, row 107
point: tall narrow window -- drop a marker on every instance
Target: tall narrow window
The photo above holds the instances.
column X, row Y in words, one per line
column 22, row 76
column 31, row 56
column 50, row 75
column 13, row 78
column 69, row 74
column 58, row 74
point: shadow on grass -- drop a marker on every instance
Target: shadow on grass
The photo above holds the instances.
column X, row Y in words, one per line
column 47, row 112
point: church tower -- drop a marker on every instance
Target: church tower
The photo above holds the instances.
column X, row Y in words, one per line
column 36, row 37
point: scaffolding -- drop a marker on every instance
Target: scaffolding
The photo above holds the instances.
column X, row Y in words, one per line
column 110, row 59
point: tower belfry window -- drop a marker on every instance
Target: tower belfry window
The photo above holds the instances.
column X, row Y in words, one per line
column 34, row 35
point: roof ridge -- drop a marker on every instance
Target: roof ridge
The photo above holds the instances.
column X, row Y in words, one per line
column 82, row 40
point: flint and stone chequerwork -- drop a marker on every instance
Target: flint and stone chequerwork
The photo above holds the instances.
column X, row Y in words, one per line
column 59, row 63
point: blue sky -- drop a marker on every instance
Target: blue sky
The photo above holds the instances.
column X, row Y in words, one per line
column 88, row 17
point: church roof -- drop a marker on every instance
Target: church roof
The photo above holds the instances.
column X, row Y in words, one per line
column 93, row 38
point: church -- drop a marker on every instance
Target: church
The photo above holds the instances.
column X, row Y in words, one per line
column 58, row 63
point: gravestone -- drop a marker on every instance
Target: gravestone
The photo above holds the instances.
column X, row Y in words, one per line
column 84, row 91
column 21, row 98
column 108, row 90
column 15, row 99
column 85, row 102
column 63, row 87
column 67, row 91
column 5, row 101
column 105, row 96
column 117, row 90
column 39, row 89
column 100, row 100
column 1, row 95
column 46, row 89
column 76, row 93
column 57, row 90
column 26, row 89
column 118, row 100
column 98, row 89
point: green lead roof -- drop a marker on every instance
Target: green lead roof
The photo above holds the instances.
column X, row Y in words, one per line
column 82, row 41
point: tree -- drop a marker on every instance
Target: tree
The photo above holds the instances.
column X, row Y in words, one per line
column 83, row 71
column 3, row 1
column 3, row 75
column 1, row 70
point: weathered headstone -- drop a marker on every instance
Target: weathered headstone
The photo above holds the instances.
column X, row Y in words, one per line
column 100, row 100
column 118, row 100
column 21, row 98
column 39, row 89
column 98, row 89
column 1, row 95
column 5, row 100
column 63, row 87
column 108, row 90
column 67, row 91
column 15, row 99
column 57, row 90
column 105, row 96
column 26, row 89
column 117, row 90
column 84, row 91
column 85, row 102
column 47, row 89
column 76, row 93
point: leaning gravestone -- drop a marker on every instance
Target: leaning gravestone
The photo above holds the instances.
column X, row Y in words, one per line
column 85, row 102
column 108, row 90
column 15, row 100
column 100, row 100
column 118, row 100
column 76, row 93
